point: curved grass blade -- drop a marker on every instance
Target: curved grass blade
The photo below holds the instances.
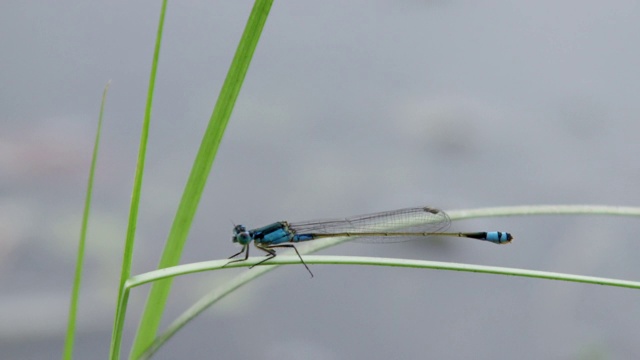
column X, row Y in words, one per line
column 239, row 281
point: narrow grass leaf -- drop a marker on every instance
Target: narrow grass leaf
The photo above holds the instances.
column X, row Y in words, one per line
column 77, row 280
column 172, row 252
column 127, row 256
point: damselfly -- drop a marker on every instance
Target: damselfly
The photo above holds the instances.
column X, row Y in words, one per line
column 388, row 226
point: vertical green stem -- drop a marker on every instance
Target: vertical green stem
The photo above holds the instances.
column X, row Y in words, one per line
column 127, row 257
column 75, row 293
column 159, row 293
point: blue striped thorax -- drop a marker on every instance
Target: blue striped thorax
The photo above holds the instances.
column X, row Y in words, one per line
column 272, row 234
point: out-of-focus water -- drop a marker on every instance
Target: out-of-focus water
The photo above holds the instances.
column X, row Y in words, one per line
column 348, row 108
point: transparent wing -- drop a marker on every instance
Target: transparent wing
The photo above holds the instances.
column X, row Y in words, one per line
column 418, row 220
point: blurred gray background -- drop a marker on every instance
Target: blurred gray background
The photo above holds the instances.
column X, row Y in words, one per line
column 348, row 108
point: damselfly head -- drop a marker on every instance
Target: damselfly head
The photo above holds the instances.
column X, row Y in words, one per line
column 241, row 235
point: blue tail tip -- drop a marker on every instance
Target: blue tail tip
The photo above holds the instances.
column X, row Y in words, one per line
column 499, row 237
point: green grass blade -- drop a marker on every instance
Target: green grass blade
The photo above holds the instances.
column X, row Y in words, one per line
column 244, row 278
column 526, row 210
column 156, row 300
column 127, row 256
column 75, row 292
column 186, row 269
column 317, row 245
